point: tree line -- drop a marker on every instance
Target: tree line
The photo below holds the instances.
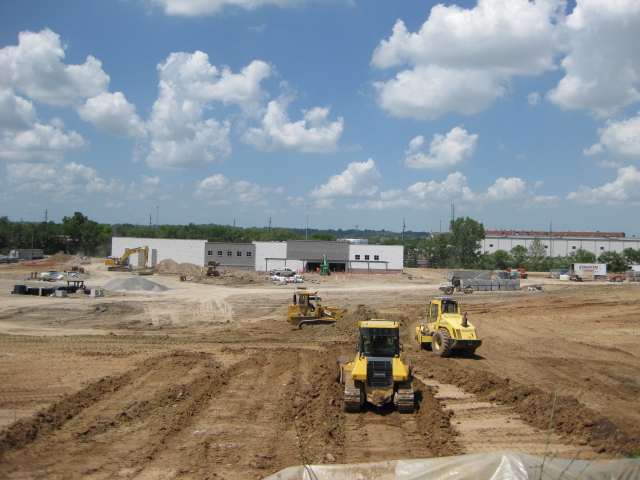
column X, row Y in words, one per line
column 458, row 248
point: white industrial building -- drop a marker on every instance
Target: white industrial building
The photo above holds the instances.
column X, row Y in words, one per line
column 299, row 255
column 560, row 244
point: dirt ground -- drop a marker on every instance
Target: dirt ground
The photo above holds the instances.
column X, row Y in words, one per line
column 208, row 380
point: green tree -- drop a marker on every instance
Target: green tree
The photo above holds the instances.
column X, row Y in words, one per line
column 520, row 256
column 616, row 261
column 581, row 256
column 324, row 237
column 537, row 253
column 501, row 259
column 631, row 255
column 436, row 251
column 465, row 241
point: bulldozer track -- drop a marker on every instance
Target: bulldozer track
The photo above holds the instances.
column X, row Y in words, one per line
column 363, row 431
column 485, row 427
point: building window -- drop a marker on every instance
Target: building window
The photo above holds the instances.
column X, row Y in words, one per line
column 491, row 245
column 366, row 257
column 229, row 253
column 238, row 254
column 248, row 254
column 601, row 248
column 573, row 248
column 209, row 252
column 376, row 257
column 219, row 253
column 357, row 257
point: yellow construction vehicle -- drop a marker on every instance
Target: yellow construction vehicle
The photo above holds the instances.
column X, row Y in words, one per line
column 121, row 264
column 212, row 270
column 447, row 329
column 306, row 310
column 378, row 374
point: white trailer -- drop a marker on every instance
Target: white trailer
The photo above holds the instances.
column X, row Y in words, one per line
column 589, row 270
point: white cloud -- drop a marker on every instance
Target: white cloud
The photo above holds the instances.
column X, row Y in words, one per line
column 603, row 64
column 624, row 190
column 358, row 180
column 313, row 134
column 218, row 190
column 62, row 182
column 434, row 195
column 34, row 67
column 16, row 113
column 619, row 138
column 112, row 113
column 507, row 189
column 192, row 8
column 533, row 98
column 40, row 144
column 182, row 137
column 445, row 151
column 461, row 60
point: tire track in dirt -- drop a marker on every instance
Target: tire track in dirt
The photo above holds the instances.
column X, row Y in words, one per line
column 113, row 423
column 486, row 427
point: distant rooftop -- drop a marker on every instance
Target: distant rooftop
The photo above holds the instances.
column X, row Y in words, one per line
column 533, row 233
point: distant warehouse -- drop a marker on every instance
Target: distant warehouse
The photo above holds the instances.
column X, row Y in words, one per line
column 559, row 244
column 299, row 255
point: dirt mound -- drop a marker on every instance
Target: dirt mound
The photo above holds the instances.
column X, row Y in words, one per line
column 170, row 267
column 59, row 258
column 134, row 284
column 233, row 278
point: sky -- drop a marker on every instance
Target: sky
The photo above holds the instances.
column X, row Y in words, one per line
column 322, row 114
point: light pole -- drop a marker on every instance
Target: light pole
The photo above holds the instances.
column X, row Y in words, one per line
column 306, row 232
column 157, row 206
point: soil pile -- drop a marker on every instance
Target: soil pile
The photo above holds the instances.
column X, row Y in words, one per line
column 134, row 284
column 170, row 267
column 59, row 258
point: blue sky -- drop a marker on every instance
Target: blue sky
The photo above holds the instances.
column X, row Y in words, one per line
column 322, row 113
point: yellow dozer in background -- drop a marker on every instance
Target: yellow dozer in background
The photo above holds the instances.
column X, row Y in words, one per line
column 378, row 374
column 447, row 329
column 306, row 310
column 212, row 269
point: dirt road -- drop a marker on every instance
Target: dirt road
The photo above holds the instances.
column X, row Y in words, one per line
column 207, row 380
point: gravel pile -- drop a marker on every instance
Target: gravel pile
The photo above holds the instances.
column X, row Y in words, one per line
column 134, row 284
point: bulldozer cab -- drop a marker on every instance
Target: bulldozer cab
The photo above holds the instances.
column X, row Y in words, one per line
column 306, row 301
column 379, row 342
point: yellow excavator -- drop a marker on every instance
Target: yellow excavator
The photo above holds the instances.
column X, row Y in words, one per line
column 121, row 264
column 378, row 375
column 306, row 310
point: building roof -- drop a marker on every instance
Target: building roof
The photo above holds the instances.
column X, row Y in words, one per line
column 533, row 233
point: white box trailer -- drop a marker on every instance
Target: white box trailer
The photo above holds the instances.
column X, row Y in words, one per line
column 589, row 270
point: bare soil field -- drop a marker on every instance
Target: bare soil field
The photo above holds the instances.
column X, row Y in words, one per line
column 206, row 379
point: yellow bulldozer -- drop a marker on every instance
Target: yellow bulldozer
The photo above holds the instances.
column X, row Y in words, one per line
column 121, row 264
column 447, row 329
column 378, row 374
column 212, row 269
column 306, row 310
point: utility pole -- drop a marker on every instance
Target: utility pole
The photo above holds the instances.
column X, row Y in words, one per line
column 403, row 227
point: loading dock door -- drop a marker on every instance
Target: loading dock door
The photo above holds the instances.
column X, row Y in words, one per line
column 313, row 266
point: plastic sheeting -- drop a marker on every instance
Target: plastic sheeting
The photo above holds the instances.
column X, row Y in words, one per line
column 485, row 466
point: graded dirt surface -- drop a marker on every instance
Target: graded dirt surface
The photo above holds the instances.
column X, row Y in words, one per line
column 204, row 378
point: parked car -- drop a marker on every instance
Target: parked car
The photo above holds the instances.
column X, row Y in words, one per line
column 283, row 272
